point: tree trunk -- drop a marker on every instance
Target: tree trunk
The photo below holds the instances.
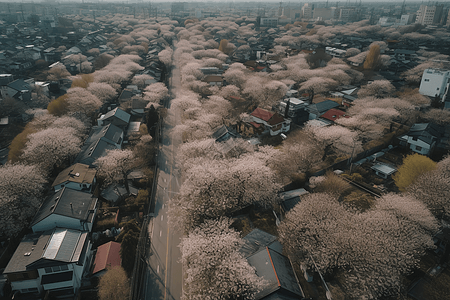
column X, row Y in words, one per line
column 127, row 187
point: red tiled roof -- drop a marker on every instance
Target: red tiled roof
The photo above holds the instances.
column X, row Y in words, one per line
column 262, row 114
column 333, row 114
column 107, row 256
column 276, row 119
column 254, row 124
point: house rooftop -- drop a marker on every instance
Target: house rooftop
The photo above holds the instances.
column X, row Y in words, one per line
column 277, row 270
column 334, row 114
column 384, row 169
column 258, row 239
column 68, row 203
column 39, row 250
column 262, row 114
column 118, row 113
column 79, row 173
column 107, row 256
column 109, row 133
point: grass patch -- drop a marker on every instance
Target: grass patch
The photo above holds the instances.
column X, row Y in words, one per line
column 242, row 224
column 104, row 224
column 264, row 220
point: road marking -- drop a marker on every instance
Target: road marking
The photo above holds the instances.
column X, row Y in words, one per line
column 160, row 233
column 162, row 217
column 157, row 269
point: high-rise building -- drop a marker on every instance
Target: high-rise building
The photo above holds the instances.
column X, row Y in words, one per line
column 307, row 11
column 429, row 14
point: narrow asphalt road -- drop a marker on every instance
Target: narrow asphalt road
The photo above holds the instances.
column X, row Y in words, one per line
column 163, row 278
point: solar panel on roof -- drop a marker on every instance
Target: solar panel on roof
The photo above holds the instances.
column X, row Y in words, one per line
column 55, row 243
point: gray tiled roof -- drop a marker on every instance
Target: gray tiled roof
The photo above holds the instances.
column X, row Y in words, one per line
column 110, row 133
column 66, row 202
column 277, row 270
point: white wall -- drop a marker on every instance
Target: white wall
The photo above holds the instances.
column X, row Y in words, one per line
column 434, row 82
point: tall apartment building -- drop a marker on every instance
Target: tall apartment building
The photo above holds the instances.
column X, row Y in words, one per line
column 307, row 11
column 429, row 14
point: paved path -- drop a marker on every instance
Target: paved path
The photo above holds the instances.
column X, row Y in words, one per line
column 163, row 279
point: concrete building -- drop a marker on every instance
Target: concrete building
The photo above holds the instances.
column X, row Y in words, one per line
column 407, row 19
column 429, row 14
column 307, row 10
column 435, row 83
column 324, row 13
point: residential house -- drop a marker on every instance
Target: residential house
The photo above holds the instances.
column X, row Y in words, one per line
column 79, row 177
column 257, row 240
column 90, row 152
column 107, row 256
column 116, row 192
column 116, row 117
column 274, row 123
column 66, row 208
column 108, row 133
column 280, row 279
column 224, row 133
column 422, row 138
column 334, row 114
column 294, row 109
column 50, row 262
column 18, row 89
column 214, row 80
column 290, row 198
column 263, row 252
column 383, row 170
column 318, row 109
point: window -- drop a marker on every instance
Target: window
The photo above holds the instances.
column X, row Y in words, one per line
column 64, row 268
column 418, row 148
column 48, row 270
column 426, row 80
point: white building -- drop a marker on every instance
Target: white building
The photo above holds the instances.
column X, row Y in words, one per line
column 429, row 14
column 435, row 82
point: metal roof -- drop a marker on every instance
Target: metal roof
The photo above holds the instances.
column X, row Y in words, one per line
column 277, row 270
column 66, row 202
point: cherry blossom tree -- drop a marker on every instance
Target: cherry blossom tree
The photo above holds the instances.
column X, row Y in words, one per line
column 114, row 285
column 103, row 91
column 340, row 138
column 165, row 56
column 21, row 188
column 215, row 188
column 377, row 88
column 432, row 188
column 155, row 92
column 116, row 165
column 81, row 100
column 369, row 252
column 214, row 266
column 140, row 80
column 52, row 147
column 58, row 72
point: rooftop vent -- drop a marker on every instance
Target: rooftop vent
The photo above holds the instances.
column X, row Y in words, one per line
column 77, row 174
column 27, row 254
